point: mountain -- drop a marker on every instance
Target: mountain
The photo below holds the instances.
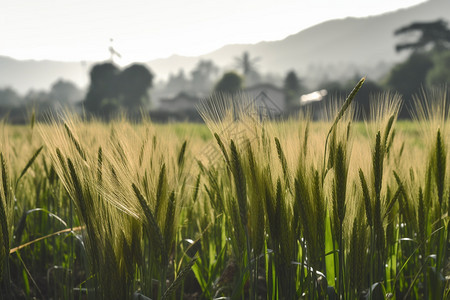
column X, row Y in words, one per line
column 337, row 48
column 360, row 43
column 23, row 75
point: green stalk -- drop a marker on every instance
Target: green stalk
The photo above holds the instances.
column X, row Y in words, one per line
column 5, row 275
column 71, row 258
column 249, row 263
column 372, row 245
column 341, row 112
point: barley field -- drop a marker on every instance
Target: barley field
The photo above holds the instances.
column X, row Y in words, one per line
column 242, row 208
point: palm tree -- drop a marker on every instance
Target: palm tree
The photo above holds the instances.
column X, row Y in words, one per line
column 246, row 63
column 436, row 33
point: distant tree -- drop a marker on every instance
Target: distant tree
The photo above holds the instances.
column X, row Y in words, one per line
column 65, row 92
column 440, row 73
column 103, row 88
column 111, row 90
column 230, row 83
column 246, row 63
column 133, row 84
column 203, row 75
column 429, row 62
column 9, row 98
column 177, row 83
column 333, row 87
column 435, row 33
column 409, row 77
column 109, row 107
column 37, row 97
column 292, row 88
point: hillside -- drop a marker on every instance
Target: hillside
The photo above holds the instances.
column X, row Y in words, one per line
column 32, row 74
column 338, row 47
column 360, row 42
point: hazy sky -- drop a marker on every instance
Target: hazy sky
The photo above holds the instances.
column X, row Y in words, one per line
column 77, row 30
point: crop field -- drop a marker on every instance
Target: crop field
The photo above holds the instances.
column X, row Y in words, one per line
column 240, row 208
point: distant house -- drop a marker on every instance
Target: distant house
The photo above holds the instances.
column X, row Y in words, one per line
column 180, row 103
column 267, row 97
column 182, row 107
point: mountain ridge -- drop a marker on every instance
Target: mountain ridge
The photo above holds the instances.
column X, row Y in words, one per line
column 314, row 43
column 340, row 46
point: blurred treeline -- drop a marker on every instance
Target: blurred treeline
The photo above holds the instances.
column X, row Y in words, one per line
column 134, row 91
column 15, row 107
